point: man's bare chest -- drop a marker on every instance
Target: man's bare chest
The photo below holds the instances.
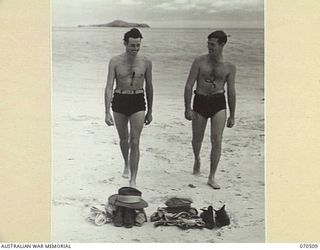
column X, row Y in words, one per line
column 130, row 70
column 215, row 71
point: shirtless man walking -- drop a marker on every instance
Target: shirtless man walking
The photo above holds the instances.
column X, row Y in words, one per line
column 130, row 71
column 211, row 73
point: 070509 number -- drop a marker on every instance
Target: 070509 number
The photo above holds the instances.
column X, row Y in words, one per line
column 308, row 245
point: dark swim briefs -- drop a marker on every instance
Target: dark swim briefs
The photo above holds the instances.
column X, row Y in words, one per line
column 209, row 105
column 128, row 104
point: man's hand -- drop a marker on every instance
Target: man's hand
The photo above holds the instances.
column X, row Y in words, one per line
column 230, row 122
column 148, row 118
column 188, row 114
column 109, row 120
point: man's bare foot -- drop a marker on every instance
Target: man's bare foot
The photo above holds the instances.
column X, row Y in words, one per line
column 125, row 173
column 213, row 184
column 196, row 167
column 132, row 183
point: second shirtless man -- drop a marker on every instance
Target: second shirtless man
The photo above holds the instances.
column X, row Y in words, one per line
column 127, row 100
column 211, row 73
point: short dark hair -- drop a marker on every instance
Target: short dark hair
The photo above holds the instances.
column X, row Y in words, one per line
column 220, row 35
column 134, row 33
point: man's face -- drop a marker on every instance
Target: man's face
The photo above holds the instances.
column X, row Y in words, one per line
column 214, row 47
column 133, row 45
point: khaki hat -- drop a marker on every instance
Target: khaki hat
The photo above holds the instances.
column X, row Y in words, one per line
column 128, row 197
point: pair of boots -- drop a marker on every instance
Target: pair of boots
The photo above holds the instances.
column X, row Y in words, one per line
column 124, row 216
column 220, row 219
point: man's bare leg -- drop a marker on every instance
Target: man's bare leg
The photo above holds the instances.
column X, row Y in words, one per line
column 217, row 126
column 136, row 125
column 198, row 128
column 121, row 122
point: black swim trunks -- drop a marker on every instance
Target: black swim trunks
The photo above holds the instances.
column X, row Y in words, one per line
column 128, row 104
column 209, row 105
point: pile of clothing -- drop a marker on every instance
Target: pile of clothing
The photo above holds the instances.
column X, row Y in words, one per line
column 126, row 209
column 123, row 209
column 178, row 212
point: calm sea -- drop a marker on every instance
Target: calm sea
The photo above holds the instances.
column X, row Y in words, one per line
column 80, row 56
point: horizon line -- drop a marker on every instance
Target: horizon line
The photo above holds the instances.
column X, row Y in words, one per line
column 156, row 27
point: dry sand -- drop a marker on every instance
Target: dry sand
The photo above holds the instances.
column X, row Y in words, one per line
column 87, row 167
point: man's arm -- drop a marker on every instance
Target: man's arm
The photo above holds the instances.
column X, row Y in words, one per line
column 108, row 92
column 149, row 92
column 193, row 75
column 231, row 95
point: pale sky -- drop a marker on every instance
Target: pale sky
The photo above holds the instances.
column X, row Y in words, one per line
column 161, row 13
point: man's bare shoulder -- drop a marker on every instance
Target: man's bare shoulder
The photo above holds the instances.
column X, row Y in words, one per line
column 145, row 60
column 230, row 66
column 116, row 59
column 200, row 58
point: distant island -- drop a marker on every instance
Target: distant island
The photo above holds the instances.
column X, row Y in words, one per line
column 118, row 23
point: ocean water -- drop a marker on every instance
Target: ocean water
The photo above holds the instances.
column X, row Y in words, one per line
column 80, row 57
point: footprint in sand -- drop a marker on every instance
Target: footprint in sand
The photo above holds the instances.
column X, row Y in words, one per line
column 103, row 181
column 158, row 154
column 192, row 186
column 160, row 157
column 211, row 241
column 164, row 126
column 57, row 203
column 177, row 139
column 179, row 123
column 156, row 200
column 83, row 118
column 89, row 132
column 75, row 201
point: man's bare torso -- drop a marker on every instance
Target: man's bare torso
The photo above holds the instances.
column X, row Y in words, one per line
column 212, row 75
column 130, row 75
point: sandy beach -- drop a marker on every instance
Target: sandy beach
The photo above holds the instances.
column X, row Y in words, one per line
column 88, row 166
column 87, row 161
